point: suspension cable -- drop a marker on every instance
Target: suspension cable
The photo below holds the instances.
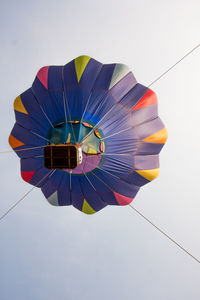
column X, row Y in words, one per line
column 165, row 234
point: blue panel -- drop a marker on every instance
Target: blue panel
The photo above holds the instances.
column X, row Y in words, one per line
column 48, row 189
column 38, row 90
column 31, row 164
column 105, row 76
column 55, row 78
column 91, row 195
column 91, row 74
column 69, row 75
column 134, row 95
column 104, row 191
column 117, row 185
column 40, row 177
column 76, row 192
column 23, row 119
column 64, row 194
column 136, row 179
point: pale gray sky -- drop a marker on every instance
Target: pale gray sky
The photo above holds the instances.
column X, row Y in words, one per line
column 50, row 253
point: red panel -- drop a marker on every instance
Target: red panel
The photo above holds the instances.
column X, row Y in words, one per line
column 149, row 98
column 122, row 200
column 27, row 175
column 42, row 75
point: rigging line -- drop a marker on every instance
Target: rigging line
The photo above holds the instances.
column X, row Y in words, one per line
column 163, row 74
column 40, row 136
column 64, row 94
column 22, row 198
column 103, row 182
column 108, row 112
column 24, row 149
column 116, row 133
column 92, row 89
column 117, row 154
column 86, row 106
column 42, row 108
column 166, row 235
column 90, row 182
column 66, row 101
column 64, row 107
column 104, row 171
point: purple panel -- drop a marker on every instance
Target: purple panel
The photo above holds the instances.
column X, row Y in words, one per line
column 89, row 162
column 118, row 165
column 149, row 128
column 144, row 114
column 146, row 162
column 123, row 86
column 145, row 148
column 117, row 120
column 125, row 142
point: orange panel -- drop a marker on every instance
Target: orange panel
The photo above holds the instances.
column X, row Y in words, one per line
column 14, row 143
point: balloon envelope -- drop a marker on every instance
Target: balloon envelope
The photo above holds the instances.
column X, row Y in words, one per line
column 110, row 118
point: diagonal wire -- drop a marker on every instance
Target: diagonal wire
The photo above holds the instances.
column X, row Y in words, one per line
column 156, row 227
column 163, row 74
column 165, row 234
column 154, row 81
column 22, row 198
column 24, row 149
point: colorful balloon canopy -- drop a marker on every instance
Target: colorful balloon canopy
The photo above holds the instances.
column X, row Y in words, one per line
column 108, row 119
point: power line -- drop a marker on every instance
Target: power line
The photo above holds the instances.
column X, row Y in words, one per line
column 165, row 234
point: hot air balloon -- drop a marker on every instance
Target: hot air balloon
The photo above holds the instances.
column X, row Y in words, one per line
column 88, row 134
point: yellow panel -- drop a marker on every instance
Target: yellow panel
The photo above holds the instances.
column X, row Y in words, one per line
column 91, row 151
column 87, row 209
column 158, row 137
column 18, row 105
column 80, row 65
column 149, row 174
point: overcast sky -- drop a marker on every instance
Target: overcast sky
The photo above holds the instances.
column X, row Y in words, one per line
column 50, row 253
